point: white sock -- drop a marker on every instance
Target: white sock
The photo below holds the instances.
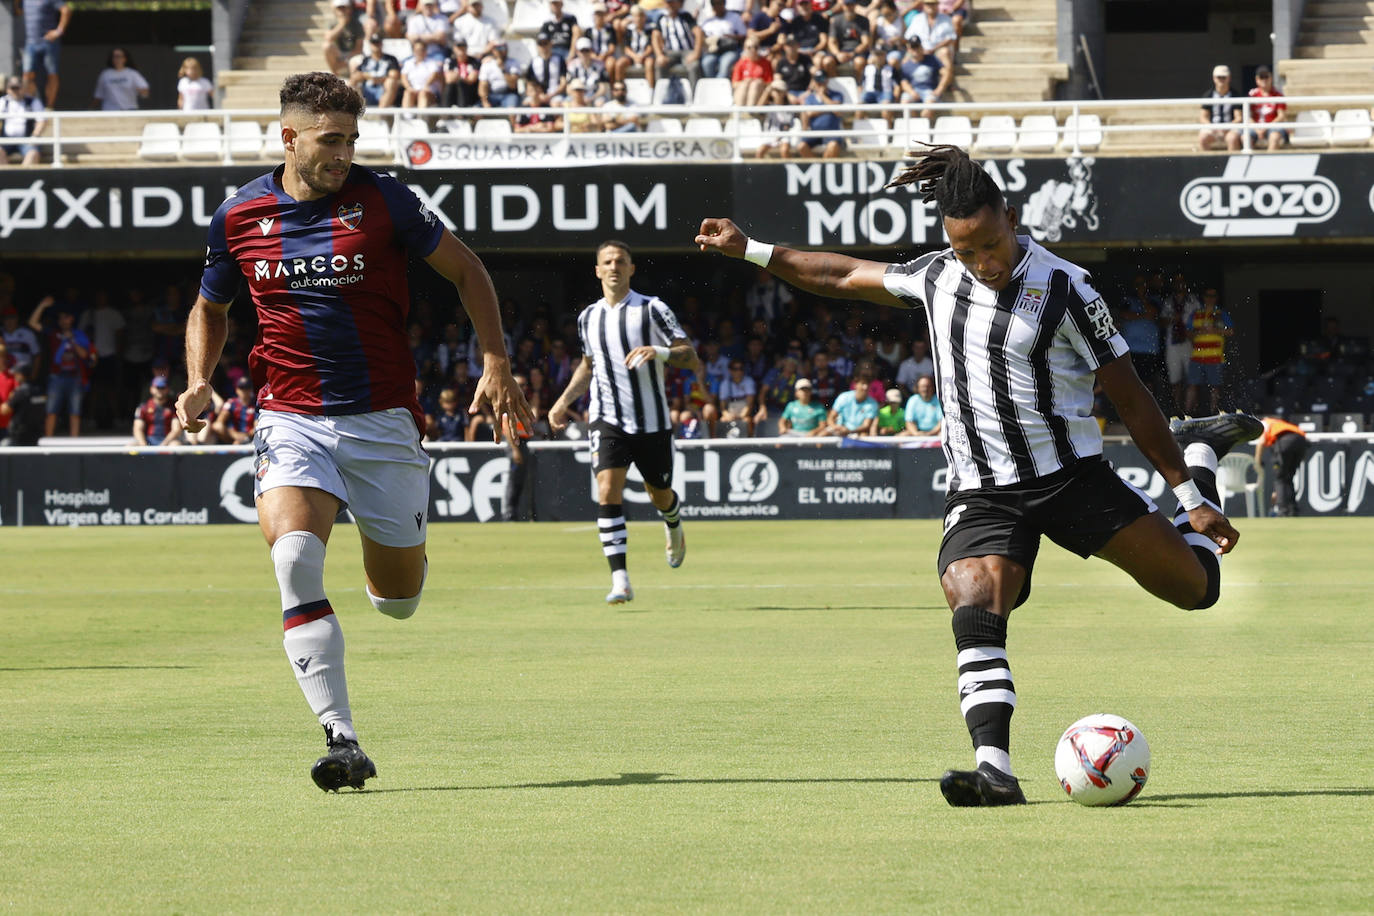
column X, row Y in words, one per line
column 1200, row 455
column 994, row 756
column 312, row 636
column 620, row 580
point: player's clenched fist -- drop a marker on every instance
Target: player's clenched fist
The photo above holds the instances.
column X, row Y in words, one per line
column 192, row 404
column 723, row 236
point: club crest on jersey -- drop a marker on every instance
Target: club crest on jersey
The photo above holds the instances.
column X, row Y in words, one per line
column 350, row 215
column 1032, row 300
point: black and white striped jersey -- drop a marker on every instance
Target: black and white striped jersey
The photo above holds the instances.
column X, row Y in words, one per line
column 631, row 399
column 677, row 32
column 1014, row 370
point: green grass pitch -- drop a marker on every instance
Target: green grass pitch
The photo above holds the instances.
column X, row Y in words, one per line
column 760, row 731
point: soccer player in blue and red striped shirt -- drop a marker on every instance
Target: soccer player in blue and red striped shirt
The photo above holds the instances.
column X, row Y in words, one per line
column 323, row 244
column 155, row 420
column 238, row 418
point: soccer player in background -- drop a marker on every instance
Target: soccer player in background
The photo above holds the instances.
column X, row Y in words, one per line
column 1018, row 336
column 627, row 337
column 322, row 244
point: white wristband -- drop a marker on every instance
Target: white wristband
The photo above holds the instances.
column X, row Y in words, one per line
column 1189, row 496
column 759, row 253
column 662, row 353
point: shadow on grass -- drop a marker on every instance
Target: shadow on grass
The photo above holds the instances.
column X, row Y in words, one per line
column 838, row 607
column 102, row 668
column 1334, row 792
column 655, row 779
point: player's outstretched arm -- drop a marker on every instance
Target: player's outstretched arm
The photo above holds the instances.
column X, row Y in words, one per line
column 1150, row 431
column 820, row 272
column 497, row 387
column 206, row 329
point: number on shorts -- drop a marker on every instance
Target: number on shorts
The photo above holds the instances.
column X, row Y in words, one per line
column 953, row 518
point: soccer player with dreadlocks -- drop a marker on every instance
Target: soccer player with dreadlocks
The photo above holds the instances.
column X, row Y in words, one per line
column 1019, row 335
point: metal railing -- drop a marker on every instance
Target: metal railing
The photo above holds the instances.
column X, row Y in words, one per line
column 1072, row 136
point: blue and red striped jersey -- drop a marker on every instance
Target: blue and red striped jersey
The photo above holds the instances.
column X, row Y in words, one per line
column 157, row 420
column 328, row 279
column 239, row 416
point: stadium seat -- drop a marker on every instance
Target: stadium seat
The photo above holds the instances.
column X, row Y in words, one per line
column 848, row 86
column 909, row 132
column 271, row 141
column 491, row 127
column 407, row 129
column 202, row 140
column 996, row 134
column 750, row 135
column 1348, row 423
column 1085, row 130
column 955, row 130
column 703, row 127
column 1039, row 134
column 870, row 132
column 457, row 127
column 638, row 91
column 1308, row 422
column 373, row 139
column 712, row 94
column 520, row 51
column 161, row 140
column 245, row 138
column 582, row 9
column 1351, row 127
column 1233, row 477
column 1313, row 128
column 664, row 126
column 527, row 17
column 498, row 13
column 661, row 88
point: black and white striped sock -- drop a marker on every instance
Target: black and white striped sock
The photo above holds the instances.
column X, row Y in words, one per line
column 987, row 696
column 613, row 535
column 670, row 516
column 1202, row 466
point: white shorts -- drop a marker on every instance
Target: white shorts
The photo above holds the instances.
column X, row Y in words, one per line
column 372, row 462
column 1177, row 357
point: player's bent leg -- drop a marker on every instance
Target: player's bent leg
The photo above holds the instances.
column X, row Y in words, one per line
column 395, row 577
column 1164, row 563
column 669, row 507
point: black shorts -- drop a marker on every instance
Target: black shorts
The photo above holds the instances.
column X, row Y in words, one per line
column 652, row 453
column 1080, row 508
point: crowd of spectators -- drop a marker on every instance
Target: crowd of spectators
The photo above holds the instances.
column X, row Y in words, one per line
column 774, row 52
column 776, row 361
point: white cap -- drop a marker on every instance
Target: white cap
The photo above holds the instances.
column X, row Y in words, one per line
column 1221, row 70
column 584, row 43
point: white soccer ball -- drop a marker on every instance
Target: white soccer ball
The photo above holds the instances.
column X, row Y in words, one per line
column 1102, row 759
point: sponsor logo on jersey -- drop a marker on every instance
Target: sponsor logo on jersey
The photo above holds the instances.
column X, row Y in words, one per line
column 306, row 273
column 265, row 224
column 350, row 215
column 1101, row 317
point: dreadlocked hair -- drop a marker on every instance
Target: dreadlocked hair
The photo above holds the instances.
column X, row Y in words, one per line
column 957, row 184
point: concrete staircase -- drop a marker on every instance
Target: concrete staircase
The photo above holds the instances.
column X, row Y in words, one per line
column 279, row 38
column 1334, row 53
column 1009, row 53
